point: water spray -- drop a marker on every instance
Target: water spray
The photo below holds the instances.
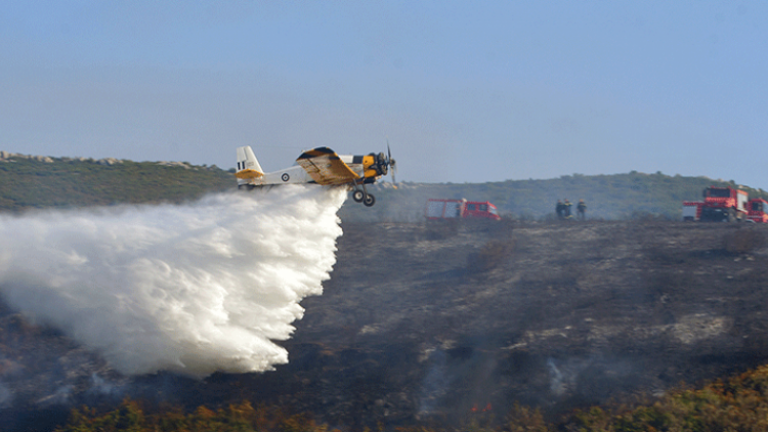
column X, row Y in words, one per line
column 194, row 289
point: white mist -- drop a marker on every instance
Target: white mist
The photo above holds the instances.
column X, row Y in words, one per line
column 193, row 289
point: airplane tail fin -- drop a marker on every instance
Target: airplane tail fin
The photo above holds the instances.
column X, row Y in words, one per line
column 247, row 165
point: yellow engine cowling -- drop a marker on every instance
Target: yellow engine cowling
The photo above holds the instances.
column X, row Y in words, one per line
column 369, row 167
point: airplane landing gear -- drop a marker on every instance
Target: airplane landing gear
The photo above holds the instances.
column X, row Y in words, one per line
column 364, row 197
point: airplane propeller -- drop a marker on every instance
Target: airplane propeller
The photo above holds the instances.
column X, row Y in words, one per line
column 391, row 163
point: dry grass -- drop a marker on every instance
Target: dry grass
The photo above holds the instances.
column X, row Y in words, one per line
column 744, row 241
column 490, row 256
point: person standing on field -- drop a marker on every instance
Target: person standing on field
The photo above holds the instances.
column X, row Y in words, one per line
column 582, row 209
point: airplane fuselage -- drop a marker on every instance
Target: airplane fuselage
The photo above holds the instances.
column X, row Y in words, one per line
column 320, row 166
column 367, row 168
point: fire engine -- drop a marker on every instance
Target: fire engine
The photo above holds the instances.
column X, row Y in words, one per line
column 757, row 210
column 692, row 210
column 438, row 209
column 721, row 204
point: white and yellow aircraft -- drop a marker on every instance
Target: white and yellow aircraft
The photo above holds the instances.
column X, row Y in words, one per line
column 321, row 166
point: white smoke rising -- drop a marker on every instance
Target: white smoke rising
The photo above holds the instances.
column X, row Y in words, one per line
column 557, row 383
column 6, row 396
column 193, row 288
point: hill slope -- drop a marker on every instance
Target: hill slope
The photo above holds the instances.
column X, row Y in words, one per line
column 619, row 196
column 42, row 182
column 423, row 323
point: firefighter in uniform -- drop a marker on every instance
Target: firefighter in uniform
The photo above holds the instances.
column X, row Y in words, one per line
column 567, row 205
column 582, row 209
column 560, row 209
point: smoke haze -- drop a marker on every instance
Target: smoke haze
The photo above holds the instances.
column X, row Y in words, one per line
column 193, row 288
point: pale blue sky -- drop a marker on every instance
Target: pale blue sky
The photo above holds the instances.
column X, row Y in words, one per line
column 464, row 91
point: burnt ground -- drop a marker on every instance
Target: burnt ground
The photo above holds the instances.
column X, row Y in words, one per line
column 436, row 322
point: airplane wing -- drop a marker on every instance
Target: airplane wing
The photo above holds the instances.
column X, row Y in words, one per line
column 325, row 167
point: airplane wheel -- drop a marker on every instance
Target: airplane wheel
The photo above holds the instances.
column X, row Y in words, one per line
column 370, row 200
column 358, row 196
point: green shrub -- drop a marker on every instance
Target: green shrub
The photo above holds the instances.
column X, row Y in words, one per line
column 242, row 417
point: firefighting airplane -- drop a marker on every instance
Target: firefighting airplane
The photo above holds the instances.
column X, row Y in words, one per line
column 320, row 166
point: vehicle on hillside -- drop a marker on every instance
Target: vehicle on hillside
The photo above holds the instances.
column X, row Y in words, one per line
column 721, row 204
column 757, row 210
column 692, row 210
column 440, row 209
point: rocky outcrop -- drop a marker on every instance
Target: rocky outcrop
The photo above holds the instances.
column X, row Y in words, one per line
column 9, row 157
column 175, row 164
column 108, row 161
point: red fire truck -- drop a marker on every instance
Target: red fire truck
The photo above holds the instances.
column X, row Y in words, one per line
column 721, row 204
column 757, row 210
column 453, row 208
column 692, row 210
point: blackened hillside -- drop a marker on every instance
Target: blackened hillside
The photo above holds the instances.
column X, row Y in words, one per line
column 425, row 323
